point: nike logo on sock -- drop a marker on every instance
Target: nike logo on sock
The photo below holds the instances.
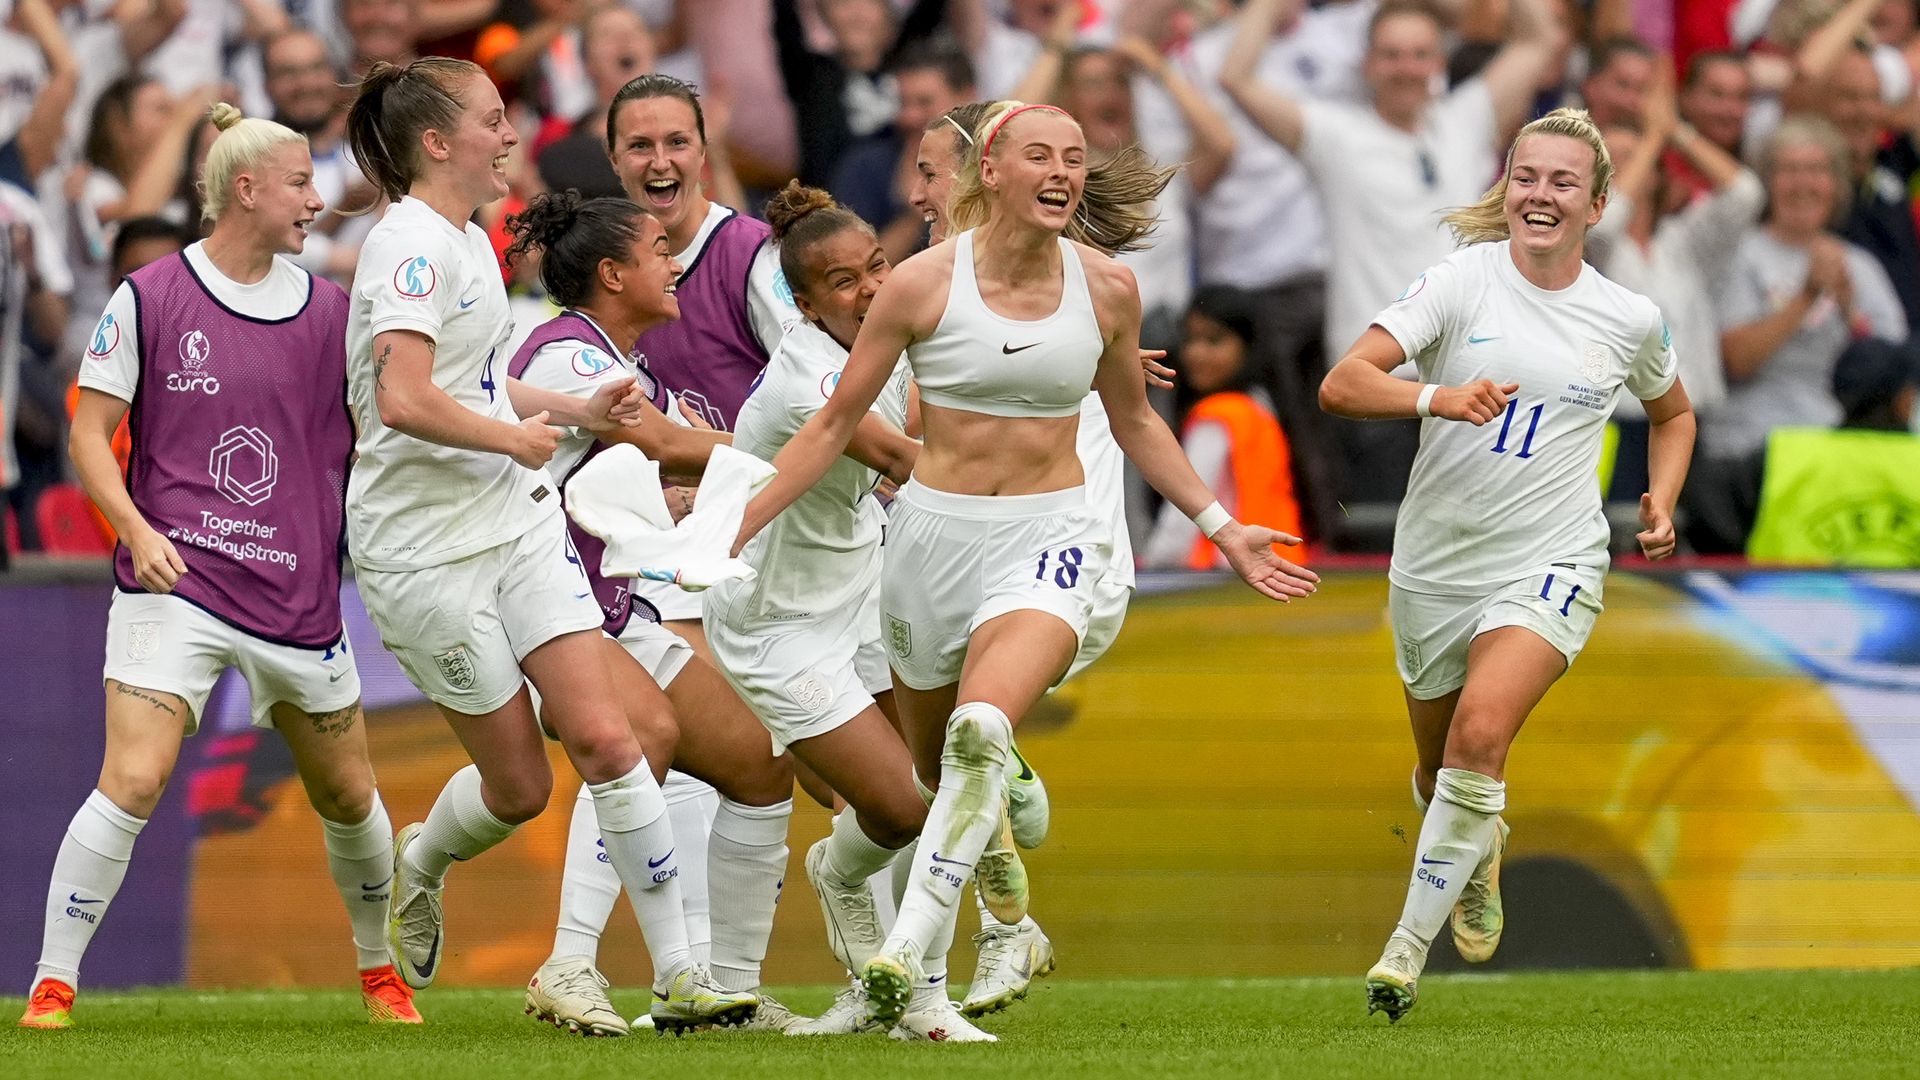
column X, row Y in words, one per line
column 375, row 888
column 936, row 980
column 956, row 862
column 75, row 898
column 655, row 864
column 1424, row 861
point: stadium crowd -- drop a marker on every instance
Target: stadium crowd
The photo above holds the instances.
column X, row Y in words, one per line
column 1768, row 153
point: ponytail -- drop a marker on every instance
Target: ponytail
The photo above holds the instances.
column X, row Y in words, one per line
column 394, row 106
column 574, row 234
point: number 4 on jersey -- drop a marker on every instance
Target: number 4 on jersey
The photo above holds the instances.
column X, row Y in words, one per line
column 1506, row 428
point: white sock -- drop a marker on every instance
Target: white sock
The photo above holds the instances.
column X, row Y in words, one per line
column 691, row 806
column 746, row 866
column 1457, row 832
column 640, row 844
column 457, row 828
column 852, row 856
column 588, row 885
column 959, row 824
column 360, row 858
column 885, row 908
column 1420, row 801
column 933, row 962
column 86, row 874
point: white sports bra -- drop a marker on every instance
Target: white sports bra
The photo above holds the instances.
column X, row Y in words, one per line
column 979, row 361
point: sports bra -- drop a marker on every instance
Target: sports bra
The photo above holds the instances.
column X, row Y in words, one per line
column 979, row 361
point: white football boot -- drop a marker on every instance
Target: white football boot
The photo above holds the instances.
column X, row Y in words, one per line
column 569, row 994
column 1011, row 957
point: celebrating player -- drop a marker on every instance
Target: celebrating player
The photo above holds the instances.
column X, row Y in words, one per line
column 231, row 359
column 802, row 642
column 459, row 539
column 1500, row 551
column 993, row 551
column 607, row 261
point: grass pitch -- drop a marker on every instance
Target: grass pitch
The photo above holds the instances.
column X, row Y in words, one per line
column 1786, row 1024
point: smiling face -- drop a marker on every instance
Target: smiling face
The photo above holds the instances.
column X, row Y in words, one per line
column 1851, row 99
column 843, row 272
column 1550, row 204
column 300, row 81
column 473, row 150
column 934, row 168
column 1802, row 190
column 278, row 191
column 1036, row 167
column 647, row 279
column 658, row 154
column 1403, row 60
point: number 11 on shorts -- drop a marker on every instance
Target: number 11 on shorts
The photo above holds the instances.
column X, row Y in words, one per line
column 1066, row 570
column 1546, row 590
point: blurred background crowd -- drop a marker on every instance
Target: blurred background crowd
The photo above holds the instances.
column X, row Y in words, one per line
column 1764, row 198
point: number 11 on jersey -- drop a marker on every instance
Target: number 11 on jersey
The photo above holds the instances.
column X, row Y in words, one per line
column 1506, row 428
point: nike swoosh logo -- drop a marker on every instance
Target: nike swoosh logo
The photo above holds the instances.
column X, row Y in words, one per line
column 581, row 595
column 1471, row 340
column 1026, row 770
column 433, row 959
column 655, row 864
column 1010, row 350
column 955, row 862
column 1424, row 861
column 465, row 304
column 375, row 888
column 336, row 676
column 1024, row 968
column 74, row 898
column 936, row 980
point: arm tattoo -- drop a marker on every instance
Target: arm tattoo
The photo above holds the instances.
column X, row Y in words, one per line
column 335, row 723
column 150, row 698
column 380, row 367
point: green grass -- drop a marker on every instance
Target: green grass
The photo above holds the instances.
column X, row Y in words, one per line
column 1786, row 1024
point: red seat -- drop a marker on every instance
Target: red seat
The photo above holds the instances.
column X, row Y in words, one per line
column 65, row 516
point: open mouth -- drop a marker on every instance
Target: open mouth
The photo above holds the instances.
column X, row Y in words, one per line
column 1053, row 199
column 1539, row 220
column 500, row 166
column 661, row 193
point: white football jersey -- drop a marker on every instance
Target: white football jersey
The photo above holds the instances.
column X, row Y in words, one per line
column 577, row 367
column 1487, row 505
column 822, row 554
column 411, row 503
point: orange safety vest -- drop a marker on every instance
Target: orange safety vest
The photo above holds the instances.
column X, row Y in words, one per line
column 1262, row 468
column 122, row 450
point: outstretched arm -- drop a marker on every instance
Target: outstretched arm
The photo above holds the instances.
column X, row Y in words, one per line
column 886, row 333
column 1276, row 114
column 1147, row 442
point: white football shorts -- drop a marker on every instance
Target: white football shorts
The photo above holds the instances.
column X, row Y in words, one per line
column 1432, row 631
column 954, row 562
column 460, row 629
column 165, row 643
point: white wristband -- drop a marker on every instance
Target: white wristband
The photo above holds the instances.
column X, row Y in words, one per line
column 1424, row 406
column 1212, row 519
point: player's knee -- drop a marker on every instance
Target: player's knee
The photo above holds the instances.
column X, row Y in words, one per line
column 978, row 734
column 768, row 781
column 603, row 752
column 345, row 798
column 896, row 824
column 519, row 797
column 1478, row 741
column 134, row 786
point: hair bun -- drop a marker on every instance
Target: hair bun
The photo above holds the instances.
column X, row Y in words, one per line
column 792, row 203
column 224, row 115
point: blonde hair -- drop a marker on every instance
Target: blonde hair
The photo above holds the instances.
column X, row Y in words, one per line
column 1808, row 129
column 1116, row 212
column 1486, row 221
column 242, row 143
